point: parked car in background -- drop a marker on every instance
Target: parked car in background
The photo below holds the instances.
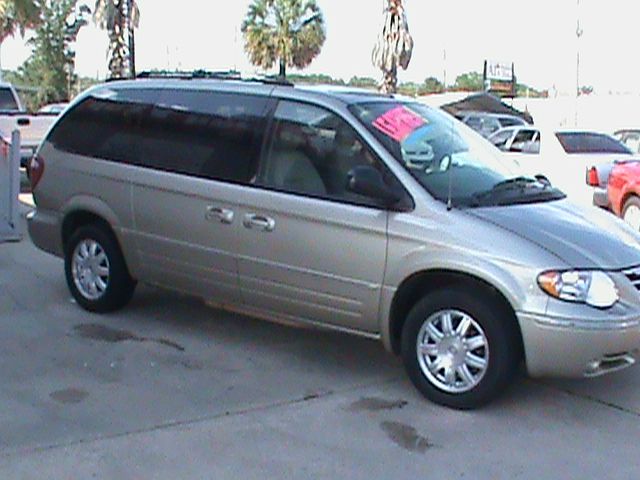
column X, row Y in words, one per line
column 486, row 123
column 32, row 128
column 630, row 137
column 562, row 156
column 598, row 175
column 598, row 178
column 339, row 208
column 9, row 99
column 517, row 139
column 55, row 108
column 624, row 191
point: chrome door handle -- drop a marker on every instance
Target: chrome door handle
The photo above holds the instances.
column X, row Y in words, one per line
column 259, row 222
column 217, row 214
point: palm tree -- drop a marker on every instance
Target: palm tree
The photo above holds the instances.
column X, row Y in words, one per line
column 119, row 18
column 17, row 15
column 290, row 32
column 394, row 46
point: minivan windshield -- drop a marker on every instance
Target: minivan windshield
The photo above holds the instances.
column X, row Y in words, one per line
column 450, row 161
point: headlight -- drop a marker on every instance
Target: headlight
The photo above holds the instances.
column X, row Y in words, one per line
column 594, row 288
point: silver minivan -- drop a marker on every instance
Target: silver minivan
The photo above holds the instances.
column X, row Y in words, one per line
column 344, row 209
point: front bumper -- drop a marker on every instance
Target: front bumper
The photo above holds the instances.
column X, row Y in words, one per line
column 564, row 348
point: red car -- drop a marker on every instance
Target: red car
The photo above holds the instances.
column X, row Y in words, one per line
column 623, row 190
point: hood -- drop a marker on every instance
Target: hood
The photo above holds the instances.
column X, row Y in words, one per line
column 583, row 237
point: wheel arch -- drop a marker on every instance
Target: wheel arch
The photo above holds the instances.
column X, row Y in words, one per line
column 419, row 284
column 79, row 218
column 83, row 210
column 626, row 196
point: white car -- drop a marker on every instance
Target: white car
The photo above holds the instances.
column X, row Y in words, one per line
column 562, row 156
column 53, row 108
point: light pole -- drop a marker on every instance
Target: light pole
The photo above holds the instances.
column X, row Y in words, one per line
column 579, row 33
column 444, row 64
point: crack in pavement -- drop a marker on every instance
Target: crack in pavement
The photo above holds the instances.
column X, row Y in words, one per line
column 195, row 421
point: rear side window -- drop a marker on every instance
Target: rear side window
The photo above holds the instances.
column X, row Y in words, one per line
column 206, row 134
column 105, row 127
column 7, row 100
column 200, row 133
column 586, row 142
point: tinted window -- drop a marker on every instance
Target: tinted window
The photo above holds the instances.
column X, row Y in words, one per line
column 199, row 133
column 585, row 142
column 312, row 151
column 7, row 100
column 105, row 126
column 510, row 121
column 207, row 134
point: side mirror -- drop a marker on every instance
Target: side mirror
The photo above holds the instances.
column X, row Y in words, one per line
column 367, row 181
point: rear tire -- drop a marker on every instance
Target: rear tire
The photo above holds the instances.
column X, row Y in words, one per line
column 631, row 212
column 95, row 269
column 460, row 349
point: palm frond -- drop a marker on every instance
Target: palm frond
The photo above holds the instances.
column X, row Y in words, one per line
column 290, row 32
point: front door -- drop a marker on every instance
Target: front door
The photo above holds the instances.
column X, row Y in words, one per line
column 311, row 250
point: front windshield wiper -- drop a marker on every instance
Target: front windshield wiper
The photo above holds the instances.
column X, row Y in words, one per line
column 515, row 182
column 516, row 190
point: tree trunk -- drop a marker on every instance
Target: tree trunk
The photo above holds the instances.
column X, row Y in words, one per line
column 283, row 69
column 118, row 44
column 390, row 81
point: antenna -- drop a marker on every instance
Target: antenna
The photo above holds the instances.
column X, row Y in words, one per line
column 450, row 169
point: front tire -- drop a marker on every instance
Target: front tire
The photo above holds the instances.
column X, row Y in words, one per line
column 460, row 349
column 96, row 273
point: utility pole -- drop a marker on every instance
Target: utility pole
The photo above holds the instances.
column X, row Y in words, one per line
column 579, row 33
column 444, row 63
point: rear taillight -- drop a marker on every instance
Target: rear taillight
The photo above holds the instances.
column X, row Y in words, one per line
column 592, row 177
column 36, row 170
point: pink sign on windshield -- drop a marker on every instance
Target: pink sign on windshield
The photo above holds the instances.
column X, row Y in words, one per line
column 399, row 123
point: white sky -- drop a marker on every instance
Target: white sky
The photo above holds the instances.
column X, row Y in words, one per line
column 539, row 36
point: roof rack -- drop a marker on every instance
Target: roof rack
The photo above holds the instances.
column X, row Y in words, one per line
column 196, row 74
column 213, row 75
